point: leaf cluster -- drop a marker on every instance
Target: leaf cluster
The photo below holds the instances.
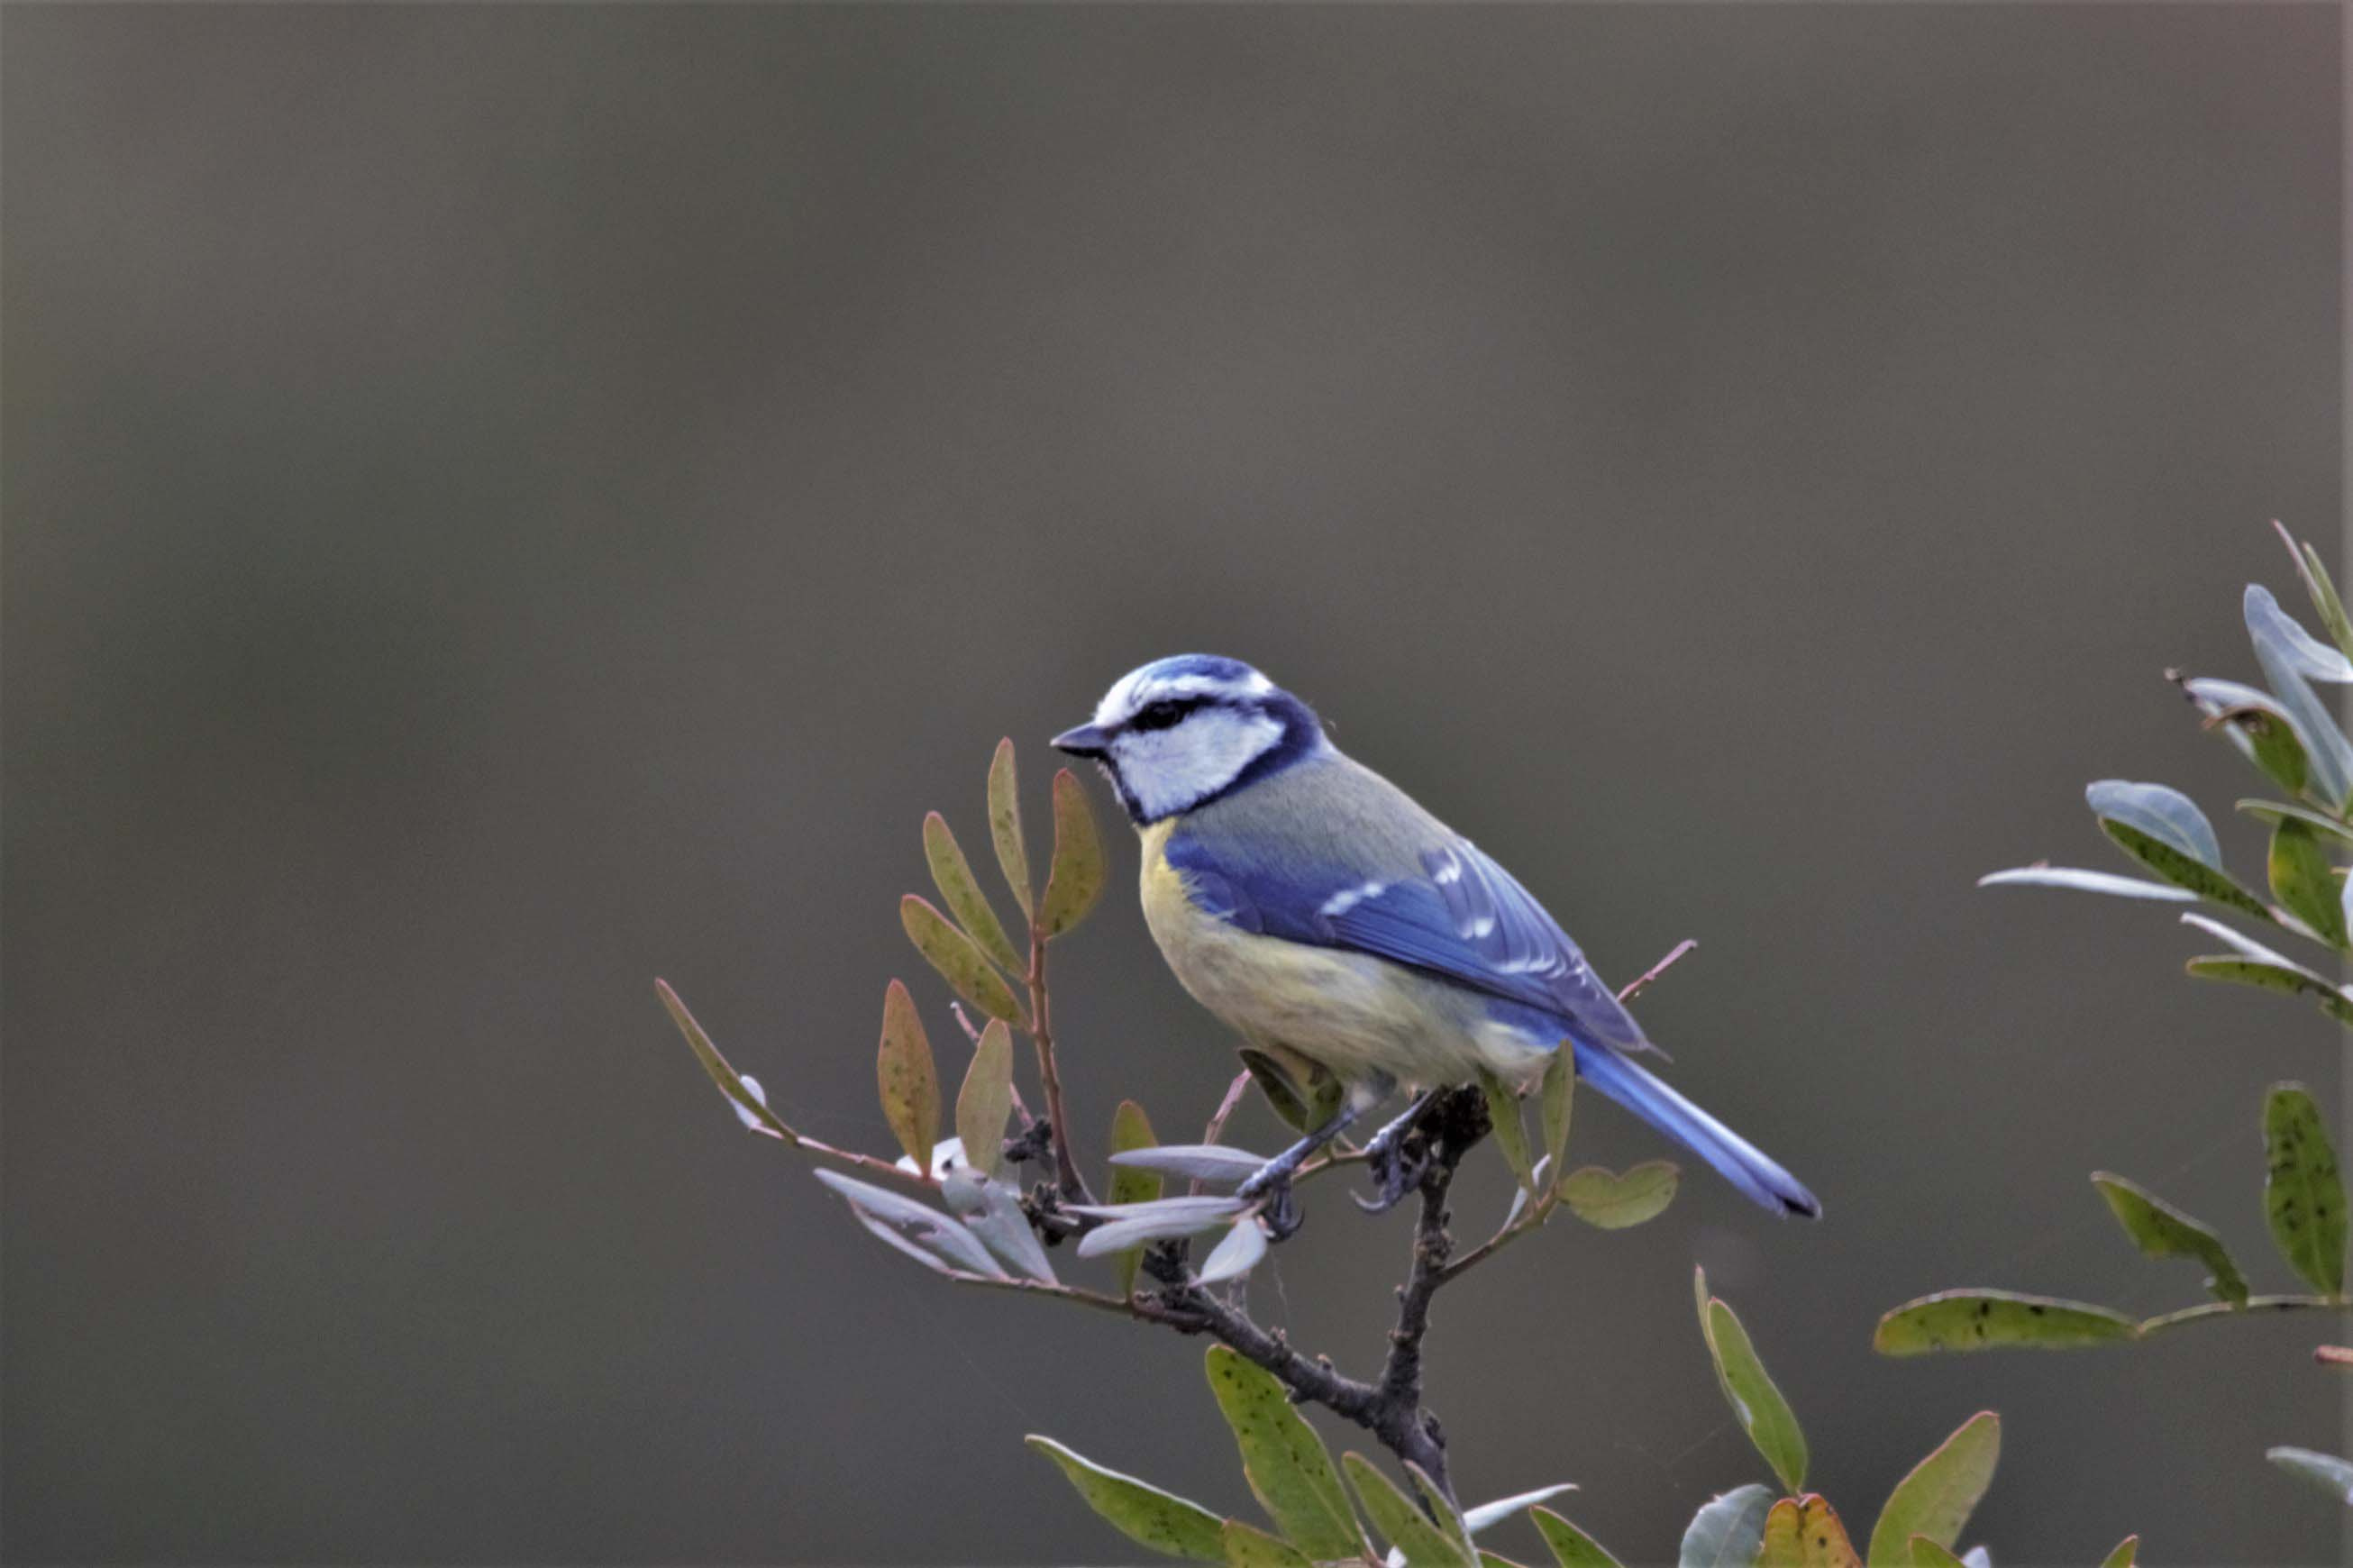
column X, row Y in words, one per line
column 1315, row 1511
column 1918, row 1526
column 2288, row 735
column 2304, row 1206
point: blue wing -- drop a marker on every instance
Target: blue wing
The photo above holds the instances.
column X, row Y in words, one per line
column 1464, row 917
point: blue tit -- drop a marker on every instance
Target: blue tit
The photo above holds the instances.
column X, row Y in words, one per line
column 1314, row 907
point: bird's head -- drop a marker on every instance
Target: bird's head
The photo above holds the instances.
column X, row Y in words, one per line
column 1180, row 733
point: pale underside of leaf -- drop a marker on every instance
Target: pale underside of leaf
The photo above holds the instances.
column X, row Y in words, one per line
column 916, row 1222
column 2088, row 882
column 2327, row 1471
column 1728, row 1530
column 1198, row 1161
column 1241, row 1251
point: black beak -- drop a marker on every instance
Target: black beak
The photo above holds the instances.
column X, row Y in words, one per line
column 1086, row 741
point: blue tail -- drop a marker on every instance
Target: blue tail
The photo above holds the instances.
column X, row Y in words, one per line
column 1738, row 1161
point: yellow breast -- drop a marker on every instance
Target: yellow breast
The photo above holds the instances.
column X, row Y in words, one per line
column 1358, row 1016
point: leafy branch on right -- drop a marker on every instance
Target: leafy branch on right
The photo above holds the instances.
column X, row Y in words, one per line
column 2287, row 734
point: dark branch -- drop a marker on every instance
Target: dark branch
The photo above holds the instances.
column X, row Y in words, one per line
column 1391, row 1409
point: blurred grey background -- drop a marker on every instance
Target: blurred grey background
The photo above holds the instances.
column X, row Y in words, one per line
column 505, row 502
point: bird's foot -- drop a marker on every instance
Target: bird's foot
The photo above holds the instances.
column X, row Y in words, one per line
column 1397, row 1160
column 1278, row 1204
column 1280, row 1216
column 1398, row 1172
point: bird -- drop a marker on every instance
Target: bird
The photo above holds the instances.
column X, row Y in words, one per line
column 1316, row 908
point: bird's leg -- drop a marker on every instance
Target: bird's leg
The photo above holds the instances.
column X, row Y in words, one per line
column 1386, row 1155
column 1271, row 1181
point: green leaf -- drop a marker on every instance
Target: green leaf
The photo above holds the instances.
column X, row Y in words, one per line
column 2301, row 881
column 1289, row 1469
column 1612, row 1201
column 959, row 961
column 2275, row 746
column 2160, row 1230
column 1805, row 1532
column 2276, row 812
column 2327, row 1471
column 1139, row 1511
column 751, row 1108
column 960, row 891
column 1511, row 1137
column 2287, row 979
column 1130, row 1130
column 1437, row 1505
column 1400, row 1522
column 1555, row 1097
column 1076, row 878
column 1926, row 1553
column 2265, row 969
column 986, row 1101
column 1935, row 1499
column 2183, row 870
column 1570, row 1547
column 2264, row 733
column 1302, row 1092
column 1988, row 1320
column 2124, row 1554
column 2303, row 1195
column 1749, row 1389
column 1247, row 1546
column 1004, row 826
column 2325, row 602
column 908, row 1084
column 1728, row 1530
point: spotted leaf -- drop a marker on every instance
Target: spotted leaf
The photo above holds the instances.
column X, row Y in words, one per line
column 2303, row 1196
column 1990, row 1320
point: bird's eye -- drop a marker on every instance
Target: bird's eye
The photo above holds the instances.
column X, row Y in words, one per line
column 1160, row 716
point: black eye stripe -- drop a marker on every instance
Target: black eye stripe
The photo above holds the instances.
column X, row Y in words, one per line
column 1165, row 714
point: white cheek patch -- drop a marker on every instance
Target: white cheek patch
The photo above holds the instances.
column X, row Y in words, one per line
column 1168, row 771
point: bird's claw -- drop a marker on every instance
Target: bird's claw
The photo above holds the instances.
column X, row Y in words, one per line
column 1280, row 1216
column 1278, row 1205
column 1394, row 1170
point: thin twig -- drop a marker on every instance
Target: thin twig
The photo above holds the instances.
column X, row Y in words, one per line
column 2253, row 1304
column 1073, row 1185
column 856, row 1161
column 1216, row 1127
column 1642, row 982
column 1530, row 1219
column 1234, row 1092
column 1052, row 1291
